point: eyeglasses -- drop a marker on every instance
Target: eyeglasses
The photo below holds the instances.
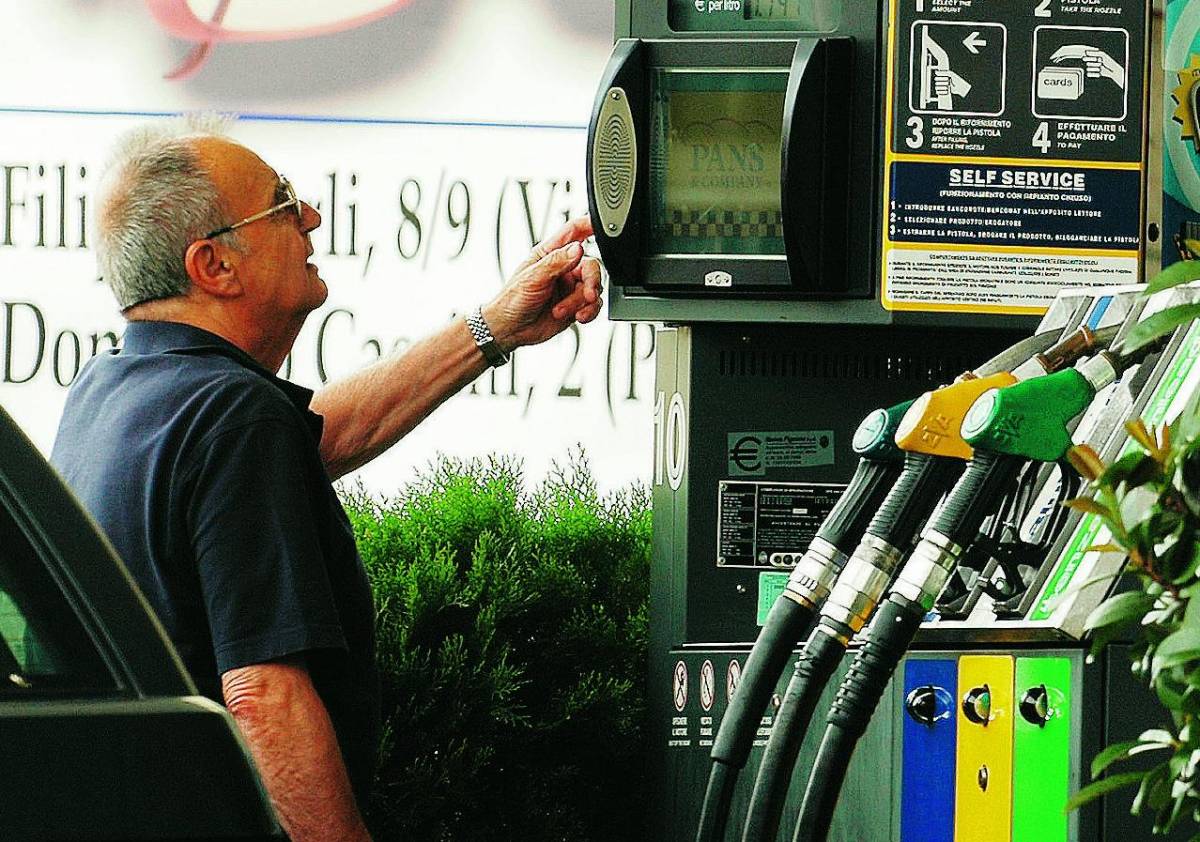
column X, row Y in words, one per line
column 292, row 201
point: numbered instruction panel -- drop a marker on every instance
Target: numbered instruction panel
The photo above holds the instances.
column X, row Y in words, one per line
column 1014, row 163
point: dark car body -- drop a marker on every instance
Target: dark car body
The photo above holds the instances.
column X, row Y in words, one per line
column 102, row 732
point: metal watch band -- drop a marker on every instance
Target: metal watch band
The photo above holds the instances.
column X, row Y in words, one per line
column 492, row 352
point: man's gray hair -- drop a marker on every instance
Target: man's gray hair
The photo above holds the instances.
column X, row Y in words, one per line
column 156, row 199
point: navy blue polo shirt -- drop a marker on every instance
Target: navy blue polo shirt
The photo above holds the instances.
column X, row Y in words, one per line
column 203, row 469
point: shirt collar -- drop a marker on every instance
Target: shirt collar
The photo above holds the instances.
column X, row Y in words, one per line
column 154, row 337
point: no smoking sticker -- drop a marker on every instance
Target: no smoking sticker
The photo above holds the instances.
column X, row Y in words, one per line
column 708, row 683
column 679, row 689
column 733, row 674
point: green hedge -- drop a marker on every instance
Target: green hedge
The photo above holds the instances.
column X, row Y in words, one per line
column 512, row 646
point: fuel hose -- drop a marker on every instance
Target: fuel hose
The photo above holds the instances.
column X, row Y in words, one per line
column 880, row 462
column 924, row 480
column 936, row 453
column 814, row 576
column 921, row 484
column 1007, row 427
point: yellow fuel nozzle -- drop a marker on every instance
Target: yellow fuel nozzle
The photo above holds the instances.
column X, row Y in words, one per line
column 933, row 423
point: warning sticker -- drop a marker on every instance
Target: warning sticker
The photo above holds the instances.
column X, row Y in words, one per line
column 1015, row 148
column 679, row 686
column 733, row 676
column 1002, row 280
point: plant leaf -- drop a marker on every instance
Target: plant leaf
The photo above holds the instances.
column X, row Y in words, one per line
column 1139, row 432
column 1086, row 461
column 1122, row 608
column 1102, row 787
column 1105, row 548
column 1159, row 324
column 1087, row 504
column 1179, row 648
column 1154, row 779
column 1110, row 755
column 1177, row 273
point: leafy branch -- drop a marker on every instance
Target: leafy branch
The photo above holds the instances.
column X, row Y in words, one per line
column 1149, row 503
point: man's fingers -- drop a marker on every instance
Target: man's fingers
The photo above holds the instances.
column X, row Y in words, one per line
column 585, row 296
column 592, row 278
column 555, row 264
column 574, row 231
column 588, row 313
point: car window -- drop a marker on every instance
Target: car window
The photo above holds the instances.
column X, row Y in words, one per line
column 43, row 646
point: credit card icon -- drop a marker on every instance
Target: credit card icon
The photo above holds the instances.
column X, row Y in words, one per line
column 1060, row 83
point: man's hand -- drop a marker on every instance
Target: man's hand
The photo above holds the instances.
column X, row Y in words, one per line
column 555, row 286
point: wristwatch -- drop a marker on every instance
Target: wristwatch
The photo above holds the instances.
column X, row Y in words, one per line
column 492, row 352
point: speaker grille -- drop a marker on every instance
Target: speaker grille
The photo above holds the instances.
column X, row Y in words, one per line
column 614, row 162
column 615, row 151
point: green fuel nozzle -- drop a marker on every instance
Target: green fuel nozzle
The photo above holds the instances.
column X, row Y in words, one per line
column 879, row 464
column 875, row 437
column 1030, row 419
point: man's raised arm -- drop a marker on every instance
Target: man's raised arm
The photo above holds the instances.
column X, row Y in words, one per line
column 371, row 410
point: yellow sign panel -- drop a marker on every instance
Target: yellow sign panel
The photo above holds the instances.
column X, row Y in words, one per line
column 1013, row 156
column 983, row 774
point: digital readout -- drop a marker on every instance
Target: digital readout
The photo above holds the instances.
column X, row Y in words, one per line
column 796, row 10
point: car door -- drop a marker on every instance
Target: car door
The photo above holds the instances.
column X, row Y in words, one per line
column 102, row 732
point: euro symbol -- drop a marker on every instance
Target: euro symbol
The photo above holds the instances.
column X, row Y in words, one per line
column 745, row 453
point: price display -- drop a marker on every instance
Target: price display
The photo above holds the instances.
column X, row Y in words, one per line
column 796, row 10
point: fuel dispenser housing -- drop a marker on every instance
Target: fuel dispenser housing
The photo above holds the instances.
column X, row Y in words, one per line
column 788, row 314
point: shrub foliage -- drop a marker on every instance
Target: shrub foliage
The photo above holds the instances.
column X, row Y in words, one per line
column 512, row 646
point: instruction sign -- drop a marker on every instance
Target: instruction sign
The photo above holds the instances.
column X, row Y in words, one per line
column 1014, row 162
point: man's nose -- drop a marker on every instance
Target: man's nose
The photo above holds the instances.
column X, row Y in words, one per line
column 310, row 217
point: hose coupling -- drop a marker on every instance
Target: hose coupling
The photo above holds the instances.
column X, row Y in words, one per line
column 928, row 569
column 1098, row 370
column 863, row 583
column 814, row 575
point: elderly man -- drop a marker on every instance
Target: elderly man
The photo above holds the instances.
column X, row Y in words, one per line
column 212, row 476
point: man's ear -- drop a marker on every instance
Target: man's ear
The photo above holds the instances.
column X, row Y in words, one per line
column 211, row 270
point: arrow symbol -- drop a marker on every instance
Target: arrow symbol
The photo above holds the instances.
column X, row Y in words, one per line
column 973, row 42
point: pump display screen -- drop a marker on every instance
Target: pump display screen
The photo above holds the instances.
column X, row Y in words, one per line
column 715, row 162
column 789, row 10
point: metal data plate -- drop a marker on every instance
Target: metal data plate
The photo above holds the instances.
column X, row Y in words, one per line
column 762, row 524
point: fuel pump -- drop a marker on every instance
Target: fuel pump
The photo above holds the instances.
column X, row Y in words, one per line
column 830, row 207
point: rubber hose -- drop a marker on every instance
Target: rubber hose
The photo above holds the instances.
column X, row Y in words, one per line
column 833, row 759
column 714, row 815
column 846, row 522
column 784, row 626
column 888, row 638
column 921, row 484
column 975, row 496
column 820, row 658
